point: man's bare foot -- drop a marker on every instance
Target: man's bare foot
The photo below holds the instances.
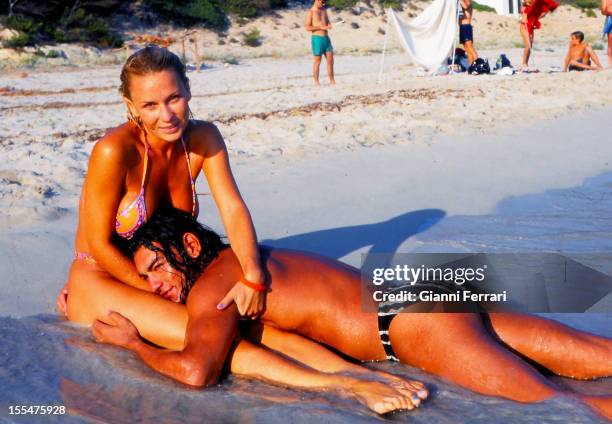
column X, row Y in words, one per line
column 316, row 82
column 332, row 82
column 382, row 398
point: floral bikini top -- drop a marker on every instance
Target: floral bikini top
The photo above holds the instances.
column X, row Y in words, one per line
column 129, row 220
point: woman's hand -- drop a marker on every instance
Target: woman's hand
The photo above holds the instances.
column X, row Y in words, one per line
column 62, row 300
column 249, row 302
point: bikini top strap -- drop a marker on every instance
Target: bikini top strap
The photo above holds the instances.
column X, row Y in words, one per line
column 145, row 163
column 193, row 189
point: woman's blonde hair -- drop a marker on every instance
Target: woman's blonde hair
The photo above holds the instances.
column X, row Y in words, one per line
column 149, row 60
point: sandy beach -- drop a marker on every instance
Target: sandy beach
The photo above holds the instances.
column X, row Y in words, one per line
column 410, row 163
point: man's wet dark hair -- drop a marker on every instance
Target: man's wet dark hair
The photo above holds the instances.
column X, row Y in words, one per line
column 163, row 233
column 579, row 35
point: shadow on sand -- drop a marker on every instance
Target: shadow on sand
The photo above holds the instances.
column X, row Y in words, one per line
column 384, row 237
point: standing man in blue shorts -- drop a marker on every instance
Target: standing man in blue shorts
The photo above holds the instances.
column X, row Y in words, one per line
column 317, row 22
column 606, row 10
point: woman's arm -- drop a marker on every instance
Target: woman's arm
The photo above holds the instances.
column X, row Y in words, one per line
column 237, row 222
column 102, row 193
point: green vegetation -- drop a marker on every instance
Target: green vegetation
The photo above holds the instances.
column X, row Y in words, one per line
column 341, row 4
column 89, row 21
column 252, row 38
column 61, row 21
column 586, row 4
column 582, row 4
column 590, row 13
column 482, row 7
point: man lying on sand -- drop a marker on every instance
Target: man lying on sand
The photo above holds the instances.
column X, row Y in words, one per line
column 317, row 22
column 321, row 299
column 580, row 56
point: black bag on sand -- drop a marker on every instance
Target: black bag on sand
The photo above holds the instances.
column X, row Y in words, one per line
column 479, row 66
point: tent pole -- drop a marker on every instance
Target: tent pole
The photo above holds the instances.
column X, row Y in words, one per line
column 456, row 39
column 382, row 61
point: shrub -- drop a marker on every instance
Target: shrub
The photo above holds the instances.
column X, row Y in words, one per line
column 17, row 42
column 482, row 7
column 393, row 4
column 190, row 12
column 231, row 60
column 252, row 38
column 341, row 4
column 59, row 21
column 587, row 4
column 23, row 24
column 590, row 13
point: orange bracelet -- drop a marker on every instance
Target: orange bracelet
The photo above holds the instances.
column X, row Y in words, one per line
column 255, row 286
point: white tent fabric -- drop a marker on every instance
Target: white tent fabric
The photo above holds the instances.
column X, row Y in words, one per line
column 428, row 38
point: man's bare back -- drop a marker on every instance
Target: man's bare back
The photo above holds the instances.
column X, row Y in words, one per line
column 294, row 277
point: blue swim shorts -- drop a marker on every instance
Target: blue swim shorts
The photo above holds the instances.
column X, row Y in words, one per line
column 321, row 44
column 607, row 25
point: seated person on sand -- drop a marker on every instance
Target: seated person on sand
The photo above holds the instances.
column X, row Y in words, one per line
column 580, row 56
column 320, row 298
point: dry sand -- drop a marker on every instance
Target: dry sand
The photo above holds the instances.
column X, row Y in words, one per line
column 268, row 109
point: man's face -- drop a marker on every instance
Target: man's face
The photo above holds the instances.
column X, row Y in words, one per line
column 162, row 277
column 574, row 41
column 320, row 4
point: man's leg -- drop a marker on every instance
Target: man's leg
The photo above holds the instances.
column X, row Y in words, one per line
column 468, row 46
column 458, row 348
column 610, row 49
column 329, row 56
column 315, row 69
column 481, row 363
column 561, row 349
column 466, row 37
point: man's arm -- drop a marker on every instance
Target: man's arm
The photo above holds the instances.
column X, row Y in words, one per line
column 328, row 24
column 209, row 337
column 594, row 58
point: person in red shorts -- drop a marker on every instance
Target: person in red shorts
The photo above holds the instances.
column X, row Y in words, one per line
column 533, row 11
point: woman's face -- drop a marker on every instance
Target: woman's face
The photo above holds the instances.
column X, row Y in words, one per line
column 160, row 99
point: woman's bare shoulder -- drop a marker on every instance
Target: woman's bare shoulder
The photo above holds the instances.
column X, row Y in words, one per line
column 204, row 137
column 116, row 142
